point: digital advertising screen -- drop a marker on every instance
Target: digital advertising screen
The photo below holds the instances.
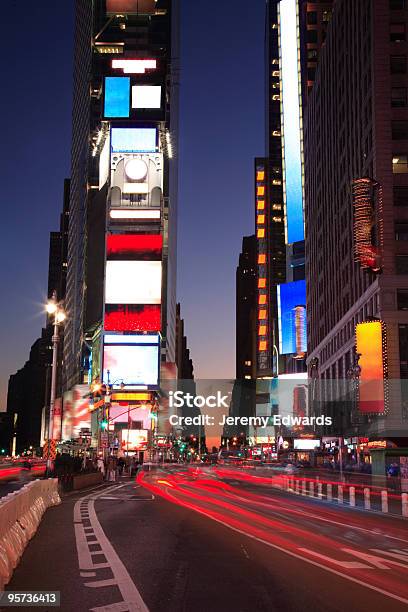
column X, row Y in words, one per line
column 370, row 347
column 133, row 282
column 117, row 96
column 134, row 247
column 131, row 364
column 305, row 444
column 292, row 317
column 291, row 116
column 134, row 439
column 134, row 140
column 75, row 412
column 132, row 317
column 146, row 96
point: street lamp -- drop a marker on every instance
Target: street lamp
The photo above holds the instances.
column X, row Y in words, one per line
column 55, row 308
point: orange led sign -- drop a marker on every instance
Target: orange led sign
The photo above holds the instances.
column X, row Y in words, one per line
column 371, row 347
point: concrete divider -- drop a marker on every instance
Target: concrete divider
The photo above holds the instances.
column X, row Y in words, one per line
column 20, row 515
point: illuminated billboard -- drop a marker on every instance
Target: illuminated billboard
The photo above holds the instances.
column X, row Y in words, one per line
column 134, row 439
column 133, row 282
column 132, row 318
column 134, row 247
column 146, row 96
column 134, row 140
column 372, row 350
column 76, row 415
column 292, row 318
column 131, row 364
column 305, row 444
column 291, row 119
column 130, row 7
column 119, row 214
column 117, row 96
column 134, row 66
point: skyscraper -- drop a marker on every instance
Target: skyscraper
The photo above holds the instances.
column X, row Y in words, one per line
column 356, row 142
column 122, row 233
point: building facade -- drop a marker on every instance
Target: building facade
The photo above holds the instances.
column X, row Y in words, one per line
column 356, row 187
column 121, row 277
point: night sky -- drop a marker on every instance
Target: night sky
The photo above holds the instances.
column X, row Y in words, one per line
column 221, row 121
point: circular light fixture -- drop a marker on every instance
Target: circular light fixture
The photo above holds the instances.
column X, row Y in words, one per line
column 136, row 169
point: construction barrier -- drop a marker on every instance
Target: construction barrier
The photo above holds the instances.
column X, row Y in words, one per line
column 20, row 516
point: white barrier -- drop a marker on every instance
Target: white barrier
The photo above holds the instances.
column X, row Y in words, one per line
column 404, row 498
column 20, row 515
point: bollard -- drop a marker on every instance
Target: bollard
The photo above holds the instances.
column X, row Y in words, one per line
column 384, row 501
column 340, row 494
column 297, row 487
column 329, row 495
column 404, row 499
column 311, row 488
column 292, row 484
column 352, row 496
column 319, row 490
column 367, row 502
column 303, row 487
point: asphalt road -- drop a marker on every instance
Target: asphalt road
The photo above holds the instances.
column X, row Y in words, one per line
column 184, row 540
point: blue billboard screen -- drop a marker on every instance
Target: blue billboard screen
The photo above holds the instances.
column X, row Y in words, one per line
column 292, row 318
column 117, row 97
column 134, row 140
column 291, row 120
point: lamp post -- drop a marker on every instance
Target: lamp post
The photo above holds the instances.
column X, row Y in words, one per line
column 54, row 308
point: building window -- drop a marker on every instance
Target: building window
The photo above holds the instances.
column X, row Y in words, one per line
column 326, row 16
column 397, row 32
column 401, row 264
column 312, row 17
column 401, row 230
column 400, row 196
column 397, row 5
column 399, row 130
column 312, row 36
column 398, row 97
column 398, row 64
column 402, row 299
column 400, row 164
column 312, row 55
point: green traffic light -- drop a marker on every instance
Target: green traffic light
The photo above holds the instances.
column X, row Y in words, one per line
column 104, row 425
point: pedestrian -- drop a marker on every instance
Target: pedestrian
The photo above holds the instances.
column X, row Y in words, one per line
column 112, row 466
column 101, row 466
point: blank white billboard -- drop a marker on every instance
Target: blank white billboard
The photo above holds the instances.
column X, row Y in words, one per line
column 133, row 282
column 146, row 96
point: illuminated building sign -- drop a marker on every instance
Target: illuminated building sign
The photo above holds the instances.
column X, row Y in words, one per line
column 133, row 282
column 134, row 140
column 371, row 346
column 291, row 119
column 117, row 96
column 134, row 247
column 76, row 412
column 367, row 204
column 146, row 96
column 132, row 318
column 305, row 444
column 292, row 318
column 134, row 439
column 131, row 364
column 130, row 7
column 134, row 213
column 262, row 269
column 134, row 66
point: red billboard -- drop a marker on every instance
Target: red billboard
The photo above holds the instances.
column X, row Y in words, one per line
column 134, row 247
column 133, row 318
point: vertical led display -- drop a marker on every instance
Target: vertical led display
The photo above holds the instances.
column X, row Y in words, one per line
column 117, row 97
column 263, row 344
column 371, row 346
column 289, row 45
column 292, row 318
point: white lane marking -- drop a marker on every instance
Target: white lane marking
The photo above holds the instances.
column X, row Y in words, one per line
column 132, row 600
column 116, row 607
column 345, row 564
column 87, row 574
column 244, row 550
column 295, row 555
column 318, row 518
column 393, row 555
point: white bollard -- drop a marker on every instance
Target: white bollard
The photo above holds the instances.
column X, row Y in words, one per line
column 329, row 495
column 352, row 496
column 303, row 487
column 340, row 494
column 319, row 490
column 404, row 500
column 367, row 501
column 311, row 488
column 384, row 501
column 297, row 487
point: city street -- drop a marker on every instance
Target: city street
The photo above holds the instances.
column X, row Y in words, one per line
column 189, row 539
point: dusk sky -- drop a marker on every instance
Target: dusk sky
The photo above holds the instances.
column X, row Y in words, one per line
column 221, row 131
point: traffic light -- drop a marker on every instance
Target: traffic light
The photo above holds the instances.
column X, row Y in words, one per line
column 104, row 425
